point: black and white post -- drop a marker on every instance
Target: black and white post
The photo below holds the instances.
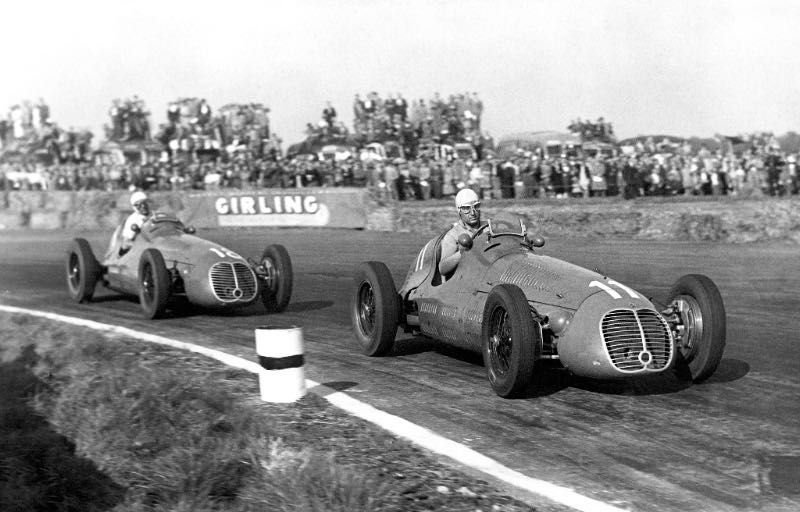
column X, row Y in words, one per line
column 280, row 354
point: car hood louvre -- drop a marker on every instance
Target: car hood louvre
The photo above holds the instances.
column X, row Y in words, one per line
column 551, row 280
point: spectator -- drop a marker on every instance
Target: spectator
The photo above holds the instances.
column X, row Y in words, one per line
column 773, row 164
column 329, row 114
column 507, row 174
column 630, row 178
column 793, row 181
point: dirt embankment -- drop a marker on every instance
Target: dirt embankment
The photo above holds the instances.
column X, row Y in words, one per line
column 679, row 219
column 724, row 219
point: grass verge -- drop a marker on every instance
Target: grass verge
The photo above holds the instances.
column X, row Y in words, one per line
column 88, row 422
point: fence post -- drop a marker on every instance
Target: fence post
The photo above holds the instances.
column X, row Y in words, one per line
column 280, row 354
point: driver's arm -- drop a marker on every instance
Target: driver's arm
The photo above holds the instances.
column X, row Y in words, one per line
column 451, row 256
column 128, row 234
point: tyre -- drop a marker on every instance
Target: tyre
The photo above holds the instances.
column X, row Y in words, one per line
column 277, row 289
column 83, row 271
column 154, row 284
column 511, row 340
column 700, row 327
column 374, row 308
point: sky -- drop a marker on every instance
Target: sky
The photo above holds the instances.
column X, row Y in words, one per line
column 678, row 67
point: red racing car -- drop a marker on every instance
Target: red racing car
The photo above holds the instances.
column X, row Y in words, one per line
column 518, row 308
column 168, row 263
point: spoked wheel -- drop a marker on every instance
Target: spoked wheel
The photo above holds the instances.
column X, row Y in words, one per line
column 698, row 319
column 83, row 271
column 154, row 284
column 277, row 289
column 511, row 340
column 374, row 309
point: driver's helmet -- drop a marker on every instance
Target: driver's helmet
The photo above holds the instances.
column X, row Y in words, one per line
column 466, row 197
column 137, row 197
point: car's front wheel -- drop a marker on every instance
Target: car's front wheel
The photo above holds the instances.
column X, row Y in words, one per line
column 374, row 308
column 511, row 340
column 83, row 271
column 277, row 285
column 154, row 284
column 699, row 325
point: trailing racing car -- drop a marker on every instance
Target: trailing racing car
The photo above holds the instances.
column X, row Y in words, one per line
column 167, row 263
column 519, row 308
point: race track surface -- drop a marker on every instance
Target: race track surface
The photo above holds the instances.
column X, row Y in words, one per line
column 729, row 444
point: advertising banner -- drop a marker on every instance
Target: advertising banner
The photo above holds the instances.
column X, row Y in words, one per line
column 338, row 208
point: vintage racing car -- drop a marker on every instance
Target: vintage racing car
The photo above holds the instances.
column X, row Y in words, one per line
column 519, row 308
column 167, row 264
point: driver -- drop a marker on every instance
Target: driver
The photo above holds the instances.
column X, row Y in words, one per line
column 469, row 221
column 141, row 212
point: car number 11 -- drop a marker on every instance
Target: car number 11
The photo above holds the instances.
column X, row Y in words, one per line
column 225, row 252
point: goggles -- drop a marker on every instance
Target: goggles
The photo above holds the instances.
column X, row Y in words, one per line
column 470, row 207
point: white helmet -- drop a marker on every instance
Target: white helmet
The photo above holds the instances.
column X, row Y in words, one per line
column 466, row 197
column 137, row 197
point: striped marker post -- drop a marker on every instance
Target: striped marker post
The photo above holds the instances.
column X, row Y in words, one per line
column 280, row 354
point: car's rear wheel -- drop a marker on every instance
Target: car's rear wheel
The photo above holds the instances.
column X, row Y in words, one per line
column 154, row 284
column 83, row 271
column 511, row 340
column 700, row 325
column 374, row 308
column 277, row 286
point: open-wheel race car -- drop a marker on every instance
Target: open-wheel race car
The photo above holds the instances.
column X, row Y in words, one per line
column 168, row 264
column 519, row 308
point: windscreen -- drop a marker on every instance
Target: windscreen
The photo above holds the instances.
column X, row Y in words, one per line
column 164, row 224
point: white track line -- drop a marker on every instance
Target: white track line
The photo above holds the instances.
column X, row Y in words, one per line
column 396, row 425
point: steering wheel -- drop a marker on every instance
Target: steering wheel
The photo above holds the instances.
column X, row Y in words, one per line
column 480, row 230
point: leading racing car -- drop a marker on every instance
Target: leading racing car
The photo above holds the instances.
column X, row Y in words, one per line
column 519, row 308
column 168, row 263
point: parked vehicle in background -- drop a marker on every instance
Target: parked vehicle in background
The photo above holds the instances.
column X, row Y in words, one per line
column 542, row 143
column 604, row 149
column 122, row 153
column 434, row 151
column 373, row 152
column 465, row 151
column 337, row 152
column 394, row 150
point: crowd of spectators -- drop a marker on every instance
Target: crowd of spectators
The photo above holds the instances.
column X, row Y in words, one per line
column 454, row 119
column 592, row 130
column 644, row 170
column 193, row 129
column 376, row 119
column 241, row 152
column 130, row 120
column 28, row 128
column 23, row 120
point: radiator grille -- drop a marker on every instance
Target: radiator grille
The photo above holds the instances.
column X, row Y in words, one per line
column 637, row 340
column 233, row 282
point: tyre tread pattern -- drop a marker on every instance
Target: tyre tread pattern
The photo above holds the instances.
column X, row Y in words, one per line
column 709, row 355
column 278, row 301
column 162, row 283
column 89, row 270
column 387, row 307
column 525, row 345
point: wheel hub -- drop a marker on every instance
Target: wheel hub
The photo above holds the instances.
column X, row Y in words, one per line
column 500, row 342
column 269, row 272
column 689, row 322
column 366, row 298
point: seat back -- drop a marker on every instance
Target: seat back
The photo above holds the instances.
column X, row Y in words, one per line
column 436, row 280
